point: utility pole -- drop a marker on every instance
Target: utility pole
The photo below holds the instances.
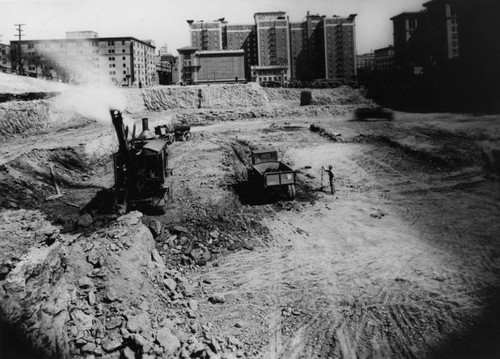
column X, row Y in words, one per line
column 19, row 60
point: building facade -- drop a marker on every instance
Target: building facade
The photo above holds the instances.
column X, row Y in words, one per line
column 5, row 58
column 442, row 23
column 365, row 61
column 243, row 37
column 384, row 63
column 206, row 35
column 273, row 47
column 221, row 66
column 340, row 47
column 307, row 50
column 408, row 35
column 125, row 61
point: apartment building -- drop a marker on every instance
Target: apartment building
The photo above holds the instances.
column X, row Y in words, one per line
column 83, row 57
column 273, row 47
column 319, row 47
column 243, row 37
column 206, row 35
column 307, row 50
column 340, row 47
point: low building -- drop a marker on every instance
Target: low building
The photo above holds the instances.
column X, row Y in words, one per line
column 223, row 66
column 365, row 61
column 384, row 63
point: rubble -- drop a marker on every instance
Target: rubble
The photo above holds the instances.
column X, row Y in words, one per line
column 217, row 299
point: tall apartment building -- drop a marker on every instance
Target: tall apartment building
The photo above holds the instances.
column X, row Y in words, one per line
column 442, row 24
column 83, row 57
column 307, row 50
column 5, row 64
column 206, row 35
column 340, row 47
column 273, row 47
column 243, row 37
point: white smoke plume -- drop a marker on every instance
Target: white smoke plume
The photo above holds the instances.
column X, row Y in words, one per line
column 93, row 101
column 95, row 95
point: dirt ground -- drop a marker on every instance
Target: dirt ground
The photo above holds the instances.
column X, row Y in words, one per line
column 402, row 261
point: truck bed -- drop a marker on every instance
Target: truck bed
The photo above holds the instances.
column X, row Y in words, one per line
column 275, row 174
column 267, row 167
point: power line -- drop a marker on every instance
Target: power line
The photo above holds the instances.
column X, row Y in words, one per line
column 19, row 35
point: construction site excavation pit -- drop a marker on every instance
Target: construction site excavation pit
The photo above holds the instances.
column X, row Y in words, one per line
column 402, row 261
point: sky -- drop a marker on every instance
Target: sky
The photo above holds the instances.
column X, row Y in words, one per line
column 164, row 21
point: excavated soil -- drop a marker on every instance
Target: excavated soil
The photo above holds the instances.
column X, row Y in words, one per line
column 401, row 262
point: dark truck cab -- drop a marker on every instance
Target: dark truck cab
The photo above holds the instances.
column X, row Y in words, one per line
column 267, row 172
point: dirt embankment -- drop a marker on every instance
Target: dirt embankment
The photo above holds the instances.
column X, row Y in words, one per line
column 86, row 294
column 343, row 95
column 212, row 96
column 75, row 107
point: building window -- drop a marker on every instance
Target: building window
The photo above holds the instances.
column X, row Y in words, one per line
column 111, row 43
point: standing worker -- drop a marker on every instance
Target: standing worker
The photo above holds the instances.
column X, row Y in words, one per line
column 200, row 98
column 330, row 177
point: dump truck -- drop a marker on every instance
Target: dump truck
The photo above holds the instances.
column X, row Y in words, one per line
column 268, row 173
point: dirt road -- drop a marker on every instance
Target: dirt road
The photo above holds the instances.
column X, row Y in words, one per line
column 401, row 262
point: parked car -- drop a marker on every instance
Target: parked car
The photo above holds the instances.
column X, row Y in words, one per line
column 378, row 112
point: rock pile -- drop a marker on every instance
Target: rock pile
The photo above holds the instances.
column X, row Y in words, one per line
column 106, row 294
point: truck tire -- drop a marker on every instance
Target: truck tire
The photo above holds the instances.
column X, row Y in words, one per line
column 186, row 136
column 291, row 191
